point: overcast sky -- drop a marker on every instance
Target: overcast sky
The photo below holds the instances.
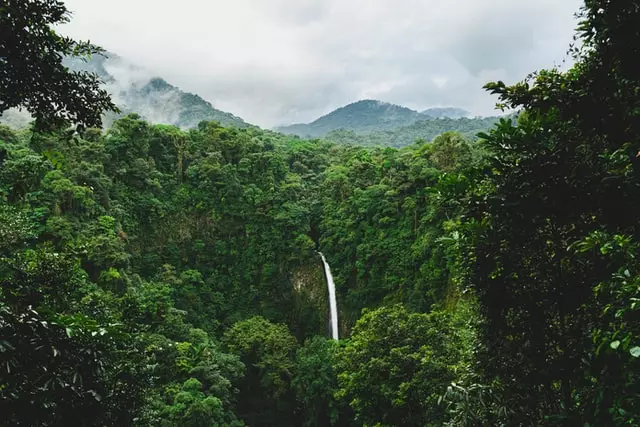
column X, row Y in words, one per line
column 281, row 61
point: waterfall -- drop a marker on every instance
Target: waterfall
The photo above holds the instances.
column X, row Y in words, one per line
column 333, row 306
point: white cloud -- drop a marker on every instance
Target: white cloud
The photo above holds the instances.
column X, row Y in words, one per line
column 283, row 61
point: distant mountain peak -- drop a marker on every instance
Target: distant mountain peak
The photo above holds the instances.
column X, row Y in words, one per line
column 158, row 83
column 365, row 115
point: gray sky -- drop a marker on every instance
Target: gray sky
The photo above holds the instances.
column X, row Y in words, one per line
column 282, row 61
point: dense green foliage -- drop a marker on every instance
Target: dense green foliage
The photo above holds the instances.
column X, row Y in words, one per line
column 110, row 255
column 556, row 235
column 268, row 352
column 156, row 277
column 395, row 366
column 422, row 130
column 171, row 243
column 385, row 217
column 315, row 384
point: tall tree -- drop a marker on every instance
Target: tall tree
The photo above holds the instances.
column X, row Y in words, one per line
column 553, row 222
column 32, row 74
column 268, row 352
column 315, row 384
column 396, row 364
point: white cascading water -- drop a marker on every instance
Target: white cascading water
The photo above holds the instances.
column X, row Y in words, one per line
column 333, row 306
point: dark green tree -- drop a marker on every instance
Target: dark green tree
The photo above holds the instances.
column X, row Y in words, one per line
column 553, row 221
column 268, row 352
column 315, row 383
column 450, row 151
column 396, row 365
column 32, row 74
column 61, row 364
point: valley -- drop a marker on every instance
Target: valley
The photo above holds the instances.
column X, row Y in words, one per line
column 166, row 263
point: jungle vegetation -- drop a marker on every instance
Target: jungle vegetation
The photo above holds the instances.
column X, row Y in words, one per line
column 153, row 276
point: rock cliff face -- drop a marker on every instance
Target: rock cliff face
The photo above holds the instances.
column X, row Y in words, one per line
column 310, row 285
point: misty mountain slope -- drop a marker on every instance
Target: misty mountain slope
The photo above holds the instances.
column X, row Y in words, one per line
column 367, row 116
column 135, row 90
column 361, row 117
column 446, row 113
column 161, row 102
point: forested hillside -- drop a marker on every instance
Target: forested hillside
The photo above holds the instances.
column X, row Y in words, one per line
column 422, row 130
column 361, row 116
column 376, row 122
column 153, row 276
